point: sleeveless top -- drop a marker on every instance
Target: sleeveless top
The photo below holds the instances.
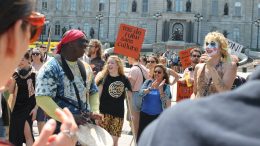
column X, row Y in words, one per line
column 205, row 85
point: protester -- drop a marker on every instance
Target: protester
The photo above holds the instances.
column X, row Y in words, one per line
column 137, row 75
column 113, row 87
column 218, row 72
column 61, row 82
column 195, row 55
column 170, row 72
column 156, row 97
column 25, row 109
column 95, row 55
column 37, row 62
column 16, row 24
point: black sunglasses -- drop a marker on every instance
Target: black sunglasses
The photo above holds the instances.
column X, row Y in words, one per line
column 35, row 54
column 82, row 42
column 150, row 61
column 198, row 56
column 158, row 72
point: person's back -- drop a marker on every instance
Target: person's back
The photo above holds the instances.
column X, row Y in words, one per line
column 226, row 119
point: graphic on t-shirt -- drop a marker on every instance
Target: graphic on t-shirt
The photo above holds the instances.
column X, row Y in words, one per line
column 116, row 89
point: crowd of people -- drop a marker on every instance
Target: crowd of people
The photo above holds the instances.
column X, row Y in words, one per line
column 81, row 85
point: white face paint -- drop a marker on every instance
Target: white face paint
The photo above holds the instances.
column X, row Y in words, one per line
column 212, row 48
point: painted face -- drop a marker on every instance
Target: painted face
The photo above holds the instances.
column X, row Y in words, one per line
column 212, row 48
column 112, row 65
column 158, row 73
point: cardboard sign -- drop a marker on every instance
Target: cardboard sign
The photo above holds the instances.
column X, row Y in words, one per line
column 183, row 92
column 235, row 47
column 185, row 58
column 129, row 40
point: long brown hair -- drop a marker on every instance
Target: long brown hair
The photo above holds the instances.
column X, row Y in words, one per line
column 105, row 71
column 97, row 44
column 165, row 75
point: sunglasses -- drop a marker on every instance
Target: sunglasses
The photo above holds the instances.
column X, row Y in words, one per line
column 198, row 56
column 150, row 61
column 83, row 42
column 157, row 72
column 35, row 54
column 36, row 20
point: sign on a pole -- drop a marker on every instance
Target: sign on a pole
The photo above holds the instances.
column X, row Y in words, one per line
column 129, row 40
column 235, row 47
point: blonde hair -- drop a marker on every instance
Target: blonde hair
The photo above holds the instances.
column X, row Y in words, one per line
column 219, row 37
column 105, row 71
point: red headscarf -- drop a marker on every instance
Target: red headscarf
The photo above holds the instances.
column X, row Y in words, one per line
column 69, row 36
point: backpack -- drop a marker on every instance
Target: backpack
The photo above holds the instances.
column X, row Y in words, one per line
column 238, row 82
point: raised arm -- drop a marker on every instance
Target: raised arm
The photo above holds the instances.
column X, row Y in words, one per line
column 175, row 75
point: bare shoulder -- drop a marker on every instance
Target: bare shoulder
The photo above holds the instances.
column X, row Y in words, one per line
column 199, row 66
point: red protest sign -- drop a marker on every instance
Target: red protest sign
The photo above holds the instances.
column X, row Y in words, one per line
column 183, row 91
column 129, row 40
column 185, row 58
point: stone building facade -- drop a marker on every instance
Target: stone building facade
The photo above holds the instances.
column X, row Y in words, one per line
column 174, row 25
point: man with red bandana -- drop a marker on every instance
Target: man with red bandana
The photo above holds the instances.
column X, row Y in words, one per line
column 54, row 89
column 217, row 73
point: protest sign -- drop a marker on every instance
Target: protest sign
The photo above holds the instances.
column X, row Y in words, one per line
column 183, row 91
column 129, row 40
column 235, row 47
column 185, row 58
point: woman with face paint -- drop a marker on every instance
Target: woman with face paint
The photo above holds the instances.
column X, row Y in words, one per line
column 217, row 73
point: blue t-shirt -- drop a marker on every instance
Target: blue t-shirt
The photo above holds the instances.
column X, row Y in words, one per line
column 52, row 81
column 155, row 96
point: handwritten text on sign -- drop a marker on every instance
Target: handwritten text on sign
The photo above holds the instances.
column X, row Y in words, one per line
column 185, row 58
column 129, row 40
column 235, row 47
